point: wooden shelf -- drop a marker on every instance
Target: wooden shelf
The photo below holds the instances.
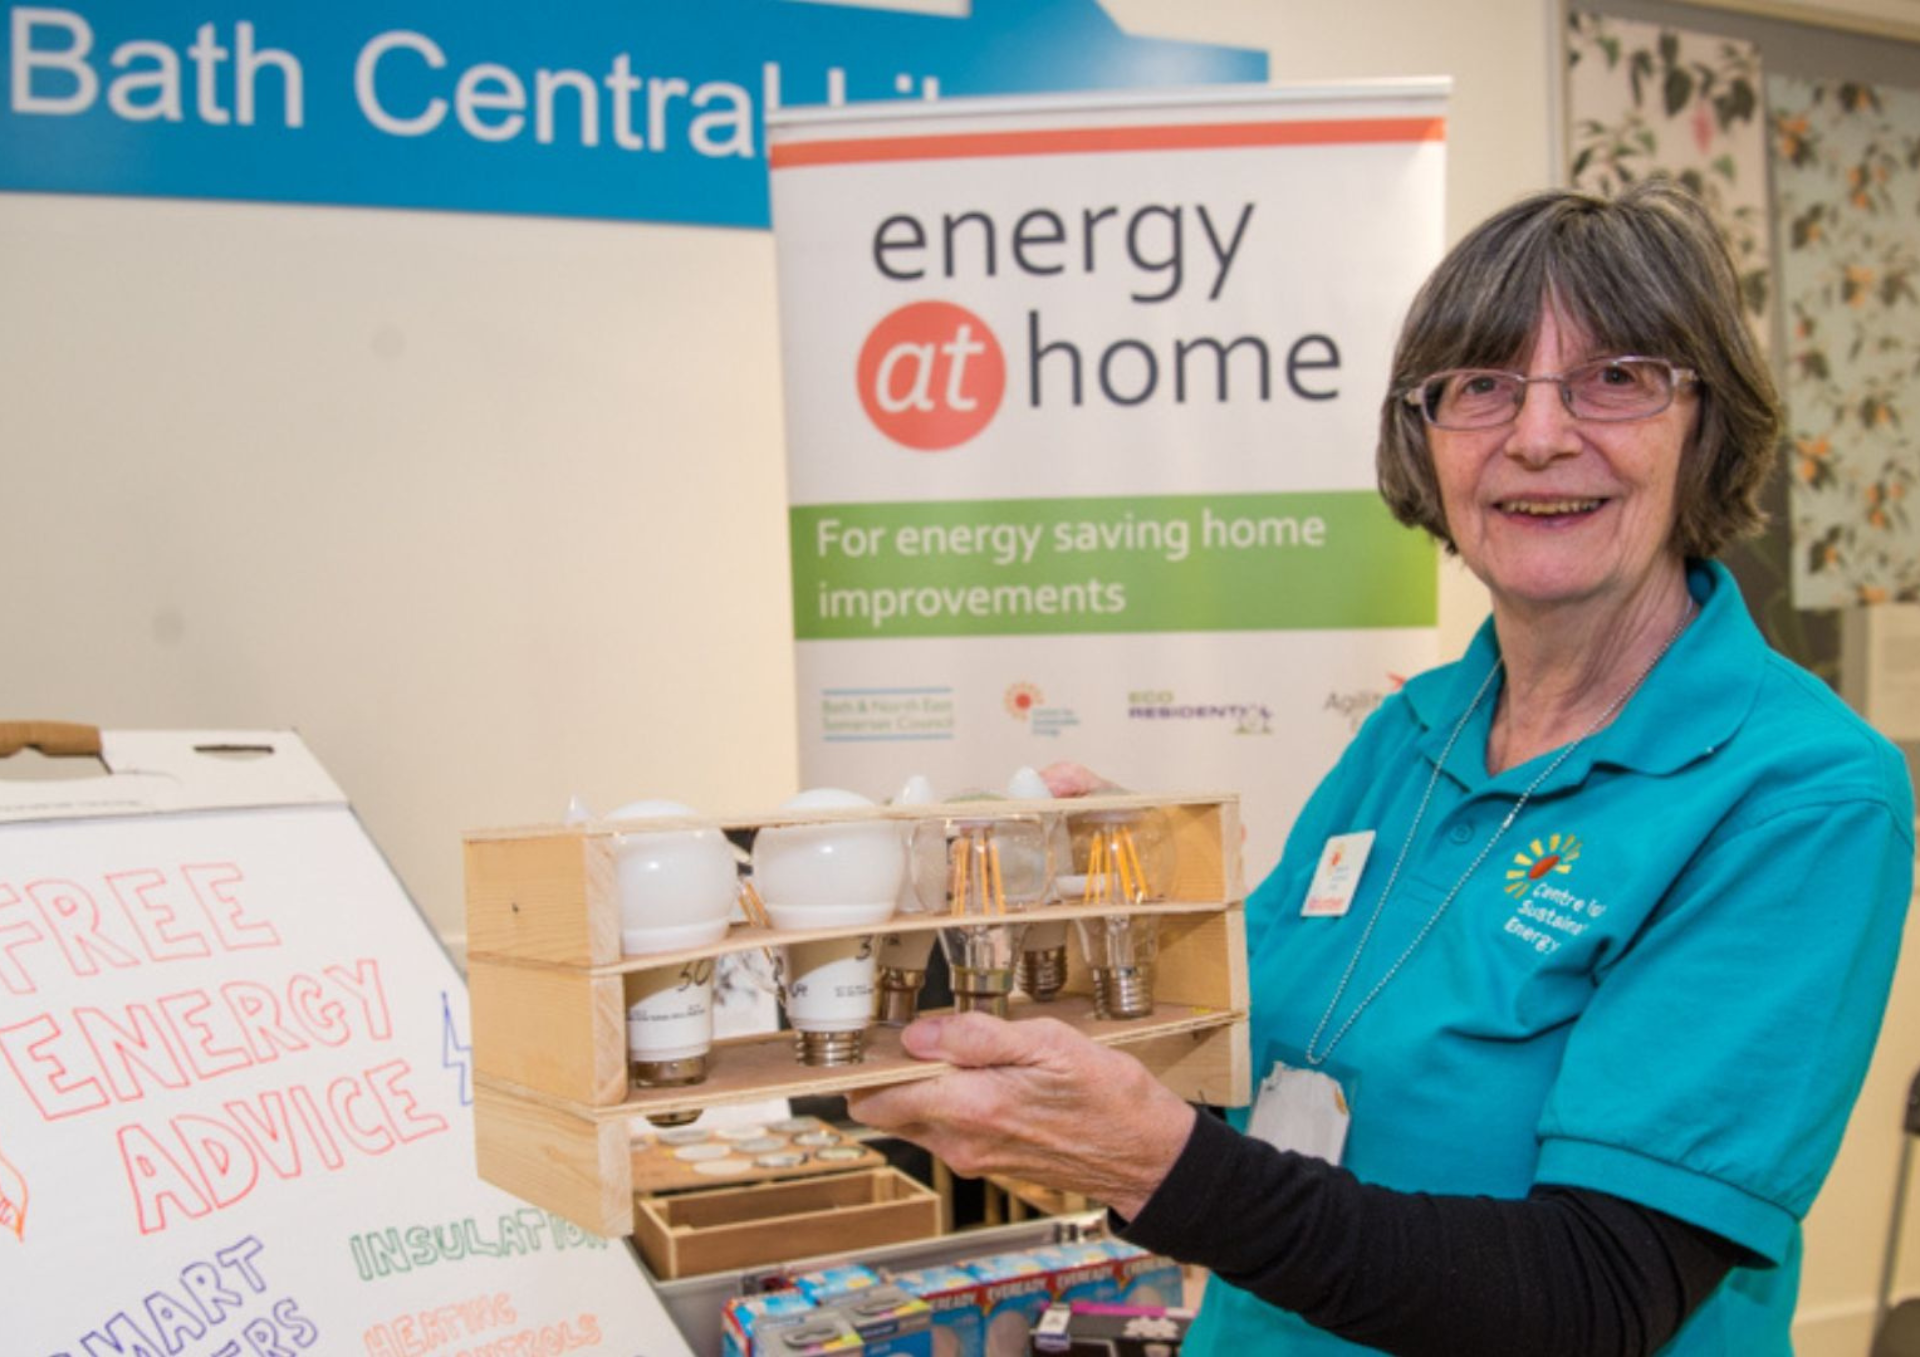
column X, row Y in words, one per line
column 757, row 1068
column 546, row 893
column 554, row 1108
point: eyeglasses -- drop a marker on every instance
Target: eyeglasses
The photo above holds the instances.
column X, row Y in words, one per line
column 1606, row 390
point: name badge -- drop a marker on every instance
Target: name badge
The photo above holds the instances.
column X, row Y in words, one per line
column 1338, row 875
column 1301, row 1110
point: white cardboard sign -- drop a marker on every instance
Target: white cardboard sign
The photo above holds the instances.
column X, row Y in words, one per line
column 234, row 1095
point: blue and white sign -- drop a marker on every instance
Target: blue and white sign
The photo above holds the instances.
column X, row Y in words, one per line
column 628, row 109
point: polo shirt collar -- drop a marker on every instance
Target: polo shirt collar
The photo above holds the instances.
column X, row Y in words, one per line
column 1690, row 705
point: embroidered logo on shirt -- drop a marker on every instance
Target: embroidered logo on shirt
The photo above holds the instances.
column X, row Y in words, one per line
column 1538, row 860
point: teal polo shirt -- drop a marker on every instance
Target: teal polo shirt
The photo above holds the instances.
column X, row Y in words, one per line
column 1664, row 982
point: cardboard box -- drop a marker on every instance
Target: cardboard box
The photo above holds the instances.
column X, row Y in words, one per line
column 1094, row 1329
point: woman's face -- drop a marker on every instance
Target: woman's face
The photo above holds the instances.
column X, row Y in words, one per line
column 1551, row 509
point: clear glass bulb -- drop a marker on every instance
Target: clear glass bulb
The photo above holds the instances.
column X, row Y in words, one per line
column 987, row 871
column 1041, row 970
column 902, row 959
column 1120, row 858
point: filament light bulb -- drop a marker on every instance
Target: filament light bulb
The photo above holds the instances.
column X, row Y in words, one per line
column 992, row 869
column 1121, row 858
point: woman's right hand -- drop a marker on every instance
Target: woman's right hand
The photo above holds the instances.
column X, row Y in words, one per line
column 1066, row 779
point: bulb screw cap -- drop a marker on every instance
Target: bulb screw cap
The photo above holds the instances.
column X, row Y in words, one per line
column 670, row 1074
column 899, row 996
column 830, row 1048
column 1041, row 974
column 1123, row 992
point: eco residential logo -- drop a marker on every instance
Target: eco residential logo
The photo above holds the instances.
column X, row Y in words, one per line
column 1160, row 704
column 931, row 376
column 1531, row 864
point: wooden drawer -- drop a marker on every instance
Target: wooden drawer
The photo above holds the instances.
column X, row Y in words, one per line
column 689, row 1233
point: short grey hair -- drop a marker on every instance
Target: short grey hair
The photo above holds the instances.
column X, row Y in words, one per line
column 1644, row 273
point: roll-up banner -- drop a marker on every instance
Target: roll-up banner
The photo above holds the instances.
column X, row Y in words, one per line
column 1082, row 395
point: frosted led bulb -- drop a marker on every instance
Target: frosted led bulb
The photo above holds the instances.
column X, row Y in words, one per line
column 827, row 989
column 675, row 889
column 822, row 875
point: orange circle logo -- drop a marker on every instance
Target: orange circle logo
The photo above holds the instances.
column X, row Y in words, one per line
column 931, row 376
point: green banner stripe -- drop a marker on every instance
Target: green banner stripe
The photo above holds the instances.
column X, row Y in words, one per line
column 1271, row 562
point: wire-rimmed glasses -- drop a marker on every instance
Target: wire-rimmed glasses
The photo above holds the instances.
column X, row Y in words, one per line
column 1607, row 390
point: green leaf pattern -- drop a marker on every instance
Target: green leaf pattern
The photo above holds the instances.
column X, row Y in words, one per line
column 1847, row 189
column 1643, row 99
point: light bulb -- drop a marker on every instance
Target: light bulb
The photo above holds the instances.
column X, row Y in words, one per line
column 991, row 869
column 828, row 992
column 1121, row 950
column 1120, row 858
column 902, row 960
column 670, row 1029
column 675, row 889
column 823, row 875
column 1041, row 969
column 902, row 957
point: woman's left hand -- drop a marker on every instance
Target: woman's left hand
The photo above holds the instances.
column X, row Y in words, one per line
column 1037, row 1101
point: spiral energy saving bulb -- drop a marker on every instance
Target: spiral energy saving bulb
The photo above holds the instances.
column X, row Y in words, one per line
column 1120, row 858
column 992, row 869
column 1041, row 968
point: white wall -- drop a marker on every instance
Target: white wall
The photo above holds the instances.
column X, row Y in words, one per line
column 493, row 510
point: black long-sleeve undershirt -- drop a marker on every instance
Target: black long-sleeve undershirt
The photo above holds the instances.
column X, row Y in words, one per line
column 1566, row 1271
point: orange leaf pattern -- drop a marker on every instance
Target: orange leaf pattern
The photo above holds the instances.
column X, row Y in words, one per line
column 1847, row 193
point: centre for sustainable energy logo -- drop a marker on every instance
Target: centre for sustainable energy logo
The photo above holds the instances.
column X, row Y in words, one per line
column 1025, row 703
column 1021, row 699
column 1555, row 857
column 931, row 375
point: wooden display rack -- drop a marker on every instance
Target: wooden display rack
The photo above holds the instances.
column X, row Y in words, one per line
column 552, row 1099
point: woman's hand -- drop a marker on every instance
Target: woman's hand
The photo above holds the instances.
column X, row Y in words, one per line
column 1034, row 1100
column 1065, row 779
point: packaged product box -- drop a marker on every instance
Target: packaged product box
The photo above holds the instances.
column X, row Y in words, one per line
column 890, row 1321
column 829, row 1283
column 1145, row 1279
column 1016, row 1290
column 953, row 1296
column 805, row 1335
column 743, row 1315
column 1080, row 1271
column 1091, row 1329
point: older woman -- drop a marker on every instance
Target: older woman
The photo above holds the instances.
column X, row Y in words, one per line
column 1563, row 1070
